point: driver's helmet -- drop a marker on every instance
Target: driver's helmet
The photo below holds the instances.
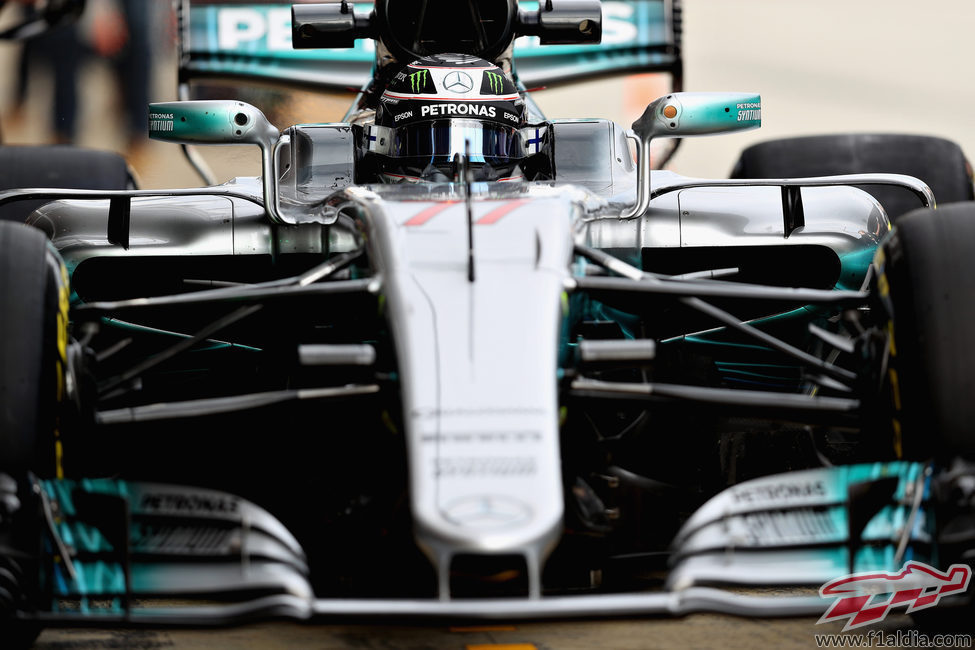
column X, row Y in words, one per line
column 435, row 106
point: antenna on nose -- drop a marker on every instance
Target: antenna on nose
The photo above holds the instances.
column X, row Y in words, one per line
column 462, row 174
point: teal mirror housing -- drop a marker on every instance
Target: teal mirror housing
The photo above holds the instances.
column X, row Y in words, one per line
column 689, row 114
column 210, row 122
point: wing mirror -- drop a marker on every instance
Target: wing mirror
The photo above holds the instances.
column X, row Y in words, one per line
column 333, row 24
column 680, row 115
column 211, row 122
column 230, row 122
column 563, row 22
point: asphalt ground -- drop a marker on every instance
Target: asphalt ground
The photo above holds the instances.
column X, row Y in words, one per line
column 697, row 632
column 828, row 66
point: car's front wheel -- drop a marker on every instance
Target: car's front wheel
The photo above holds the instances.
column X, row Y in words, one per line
column 33, row 350
column 926, row 278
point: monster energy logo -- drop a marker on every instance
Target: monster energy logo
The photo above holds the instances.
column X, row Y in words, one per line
column 495, row 81
column 418, row 80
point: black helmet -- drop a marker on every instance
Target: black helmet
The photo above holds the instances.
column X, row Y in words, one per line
column 435, row 106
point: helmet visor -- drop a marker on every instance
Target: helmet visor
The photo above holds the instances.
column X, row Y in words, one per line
column 439, row 141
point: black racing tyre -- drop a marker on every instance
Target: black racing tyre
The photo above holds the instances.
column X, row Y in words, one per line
column 926, row 278
column 938, row 162
column 19, row 533
column 58, row 166
column 20, row 634
column 33, row 349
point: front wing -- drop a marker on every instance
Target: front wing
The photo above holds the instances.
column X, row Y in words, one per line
column 117, row 552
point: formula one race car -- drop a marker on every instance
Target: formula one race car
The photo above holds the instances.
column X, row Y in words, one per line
column 475, row 360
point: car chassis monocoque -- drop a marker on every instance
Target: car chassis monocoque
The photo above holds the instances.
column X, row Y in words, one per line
column 559, row 397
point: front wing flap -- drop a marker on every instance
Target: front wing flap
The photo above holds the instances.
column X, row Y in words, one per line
column 808, row 527
column 110, row 542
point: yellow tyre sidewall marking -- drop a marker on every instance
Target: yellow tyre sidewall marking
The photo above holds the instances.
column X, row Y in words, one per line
column 61, row 361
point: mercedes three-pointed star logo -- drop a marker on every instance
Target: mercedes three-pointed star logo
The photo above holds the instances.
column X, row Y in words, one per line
column 458, row 82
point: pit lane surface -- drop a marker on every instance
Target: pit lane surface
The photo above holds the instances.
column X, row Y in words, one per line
column 822, row 67
column 696, row 631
